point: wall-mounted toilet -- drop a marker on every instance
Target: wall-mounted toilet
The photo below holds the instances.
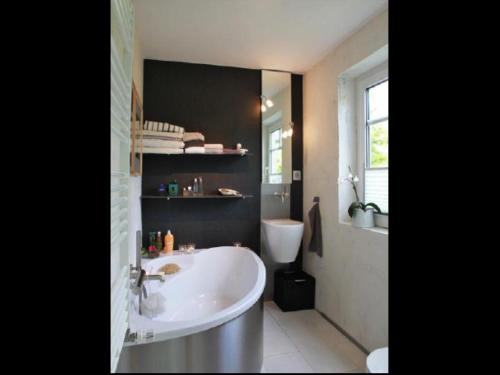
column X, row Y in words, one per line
column 282, row 238
column 378, row 361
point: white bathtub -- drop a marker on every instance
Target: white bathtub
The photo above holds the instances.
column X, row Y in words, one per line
column 213, row 287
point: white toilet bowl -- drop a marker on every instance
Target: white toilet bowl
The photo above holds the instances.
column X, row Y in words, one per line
column 378, row 361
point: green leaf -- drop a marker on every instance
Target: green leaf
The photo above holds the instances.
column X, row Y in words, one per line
column 377, row 208
column 352, row 207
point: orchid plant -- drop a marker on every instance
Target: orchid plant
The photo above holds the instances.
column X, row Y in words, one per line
column 358, row 204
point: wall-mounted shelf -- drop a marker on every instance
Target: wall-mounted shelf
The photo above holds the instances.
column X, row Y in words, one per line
column 206, row 196
column 185, row 155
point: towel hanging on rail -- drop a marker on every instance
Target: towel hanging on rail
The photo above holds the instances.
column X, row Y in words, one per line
column 316, row 243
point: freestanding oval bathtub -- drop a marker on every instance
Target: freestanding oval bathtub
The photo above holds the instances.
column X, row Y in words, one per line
column 210, row 318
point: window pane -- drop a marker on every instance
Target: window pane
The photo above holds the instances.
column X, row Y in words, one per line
column 275, row 139
column 379, row 144
column 276, row 162
column 376, row 190
column 378, row 101
column 275, row 179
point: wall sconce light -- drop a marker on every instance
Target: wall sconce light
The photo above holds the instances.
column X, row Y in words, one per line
column 266, row 103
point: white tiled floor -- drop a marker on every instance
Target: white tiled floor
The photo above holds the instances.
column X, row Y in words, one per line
column 303, row 341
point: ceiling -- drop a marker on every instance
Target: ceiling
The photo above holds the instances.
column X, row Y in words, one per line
column 288, row 35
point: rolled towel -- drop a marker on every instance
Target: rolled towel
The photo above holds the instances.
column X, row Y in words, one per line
column 214, row 145
column 162, row 150
column 194, row 144
column 162, row 143
column 195, row 150
column 193, row 136
column 163, row 134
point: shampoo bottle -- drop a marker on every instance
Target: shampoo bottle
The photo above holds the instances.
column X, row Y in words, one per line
column 169, row 242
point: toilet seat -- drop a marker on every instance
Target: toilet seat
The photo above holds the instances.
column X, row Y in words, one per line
column 378, row 361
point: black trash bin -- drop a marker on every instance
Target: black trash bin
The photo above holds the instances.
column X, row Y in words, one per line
column 294, row 290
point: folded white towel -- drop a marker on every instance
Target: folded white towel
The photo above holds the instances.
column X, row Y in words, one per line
column 195, row 150
column 193, row 136
column 163, row 134
column 162, row 143
column 214, row 151
column 162, row 150
column 214, row 145
column 165, row 138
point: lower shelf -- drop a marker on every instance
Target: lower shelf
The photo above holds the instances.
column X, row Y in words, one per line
column 206, row 196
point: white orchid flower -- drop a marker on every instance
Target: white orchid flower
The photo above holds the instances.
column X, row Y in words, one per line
column 350, row 176
column 355, row 179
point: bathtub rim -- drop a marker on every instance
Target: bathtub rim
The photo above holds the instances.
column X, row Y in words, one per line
column 170, row 330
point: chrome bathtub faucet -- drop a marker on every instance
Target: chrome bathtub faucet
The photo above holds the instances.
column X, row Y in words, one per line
column 138, row 275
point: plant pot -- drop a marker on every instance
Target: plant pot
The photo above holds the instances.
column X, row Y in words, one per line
column 363, row 219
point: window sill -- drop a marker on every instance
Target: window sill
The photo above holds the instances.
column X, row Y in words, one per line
column 381, row 230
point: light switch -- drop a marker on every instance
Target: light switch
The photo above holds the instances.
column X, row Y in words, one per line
column 297, row 175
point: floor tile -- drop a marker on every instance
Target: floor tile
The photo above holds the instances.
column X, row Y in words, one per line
column 277, row 342
column 323, row 346
column 286, row 363
column 275, row 339
column 269, row 322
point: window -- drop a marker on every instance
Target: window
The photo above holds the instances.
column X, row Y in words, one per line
column 374, row 137
column 275, row 156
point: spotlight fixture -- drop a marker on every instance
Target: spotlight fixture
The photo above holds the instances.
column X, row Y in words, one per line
column 289, row 132
column 266, row 103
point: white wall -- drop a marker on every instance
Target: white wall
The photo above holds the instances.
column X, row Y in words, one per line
column 352, row 275
column 138, row 63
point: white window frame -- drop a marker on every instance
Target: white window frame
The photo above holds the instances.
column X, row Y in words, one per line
column 369, row 79
column 271, row 130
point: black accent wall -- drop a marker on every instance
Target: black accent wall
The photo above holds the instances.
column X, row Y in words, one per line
column 223, row 103
column 296, row 189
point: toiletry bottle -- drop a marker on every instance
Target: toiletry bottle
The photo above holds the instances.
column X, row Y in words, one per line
column 189, row 191
column 173, row 188
column 158, row 241
column 195, row 187
column 162, row 189
column 200, row 186
column 169, row 242
column 152, row 238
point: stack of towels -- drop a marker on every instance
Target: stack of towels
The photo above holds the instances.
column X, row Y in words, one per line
column 195, row 144
column 162, row 138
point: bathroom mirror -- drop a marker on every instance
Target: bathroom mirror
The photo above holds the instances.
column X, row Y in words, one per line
column 277, row 127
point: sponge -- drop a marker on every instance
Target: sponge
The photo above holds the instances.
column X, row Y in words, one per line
column 169, row 268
